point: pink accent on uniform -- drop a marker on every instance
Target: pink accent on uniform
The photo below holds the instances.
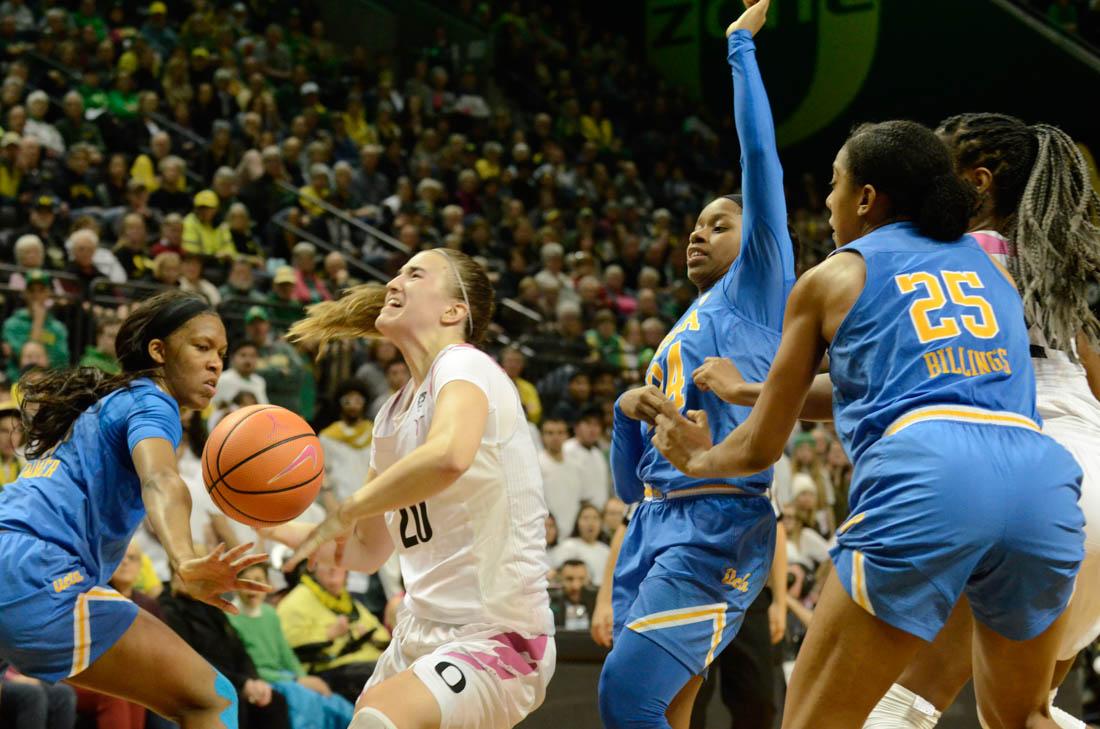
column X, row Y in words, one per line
column 515, row 656
column 991, row 242
column 309, row 453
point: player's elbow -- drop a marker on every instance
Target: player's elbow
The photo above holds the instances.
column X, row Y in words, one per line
column 453, row 462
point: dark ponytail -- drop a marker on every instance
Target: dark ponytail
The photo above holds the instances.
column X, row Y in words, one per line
column 52, row 400
column 911, row 166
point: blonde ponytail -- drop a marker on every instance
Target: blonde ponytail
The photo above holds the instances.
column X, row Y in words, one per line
column 352, row 315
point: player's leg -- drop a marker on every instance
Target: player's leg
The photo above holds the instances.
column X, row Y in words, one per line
column 679, row 710
column 400, row 702
column 151, row 665
column 640, row 681
column 930, row 683
column 847, row 662
column 1012, row 678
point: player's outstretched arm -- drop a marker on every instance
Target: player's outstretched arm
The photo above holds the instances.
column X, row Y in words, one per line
column 721, row 376
column 767, row 254
column 168, row 504
column 817, row 305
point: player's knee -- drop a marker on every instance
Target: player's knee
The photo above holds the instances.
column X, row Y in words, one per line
column 625, row 703
column 368, row 718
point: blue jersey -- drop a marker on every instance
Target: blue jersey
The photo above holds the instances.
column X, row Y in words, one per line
column 937, row 324
column 85, row 496
column 740, row 317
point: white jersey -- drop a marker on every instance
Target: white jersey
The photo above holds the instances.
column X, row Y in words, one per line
column 475, row 553
column 1071, row 416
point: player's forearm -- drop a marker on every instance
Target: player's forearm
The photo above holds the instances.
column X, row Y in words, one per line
column 818, row 406
column 626, row 452
column 609, row 569
column 420, row 475
column 168, row 505
column 779, row 566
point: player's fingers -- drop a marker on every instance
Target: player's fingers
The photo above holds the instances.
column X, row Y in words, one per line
column 670, row 410
column 252, row 586
column 224, row 604
column 237, row 551
column 699, row 417
column 247, row 561
column 216, row 552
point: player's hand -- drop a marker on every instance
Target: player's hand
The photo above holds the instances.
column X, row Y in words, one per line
column 208, row 578
column 684, row 441
column 603, row 620
column 777, row 620
column 333, row 529
column 315, row 683
column 720, row 376
column 642, row 403
column 257, row 692
column 752, row 20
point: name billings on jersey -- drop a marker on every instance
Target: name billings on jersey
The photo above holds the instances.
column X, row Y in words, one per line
column 966, row 362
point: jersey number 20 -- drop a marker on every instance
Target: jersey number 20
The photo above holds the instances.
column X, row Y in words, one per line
column 982, row 326
column 415, row 516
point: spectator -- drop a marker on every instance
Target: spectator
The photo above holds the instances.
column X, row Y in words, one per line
column 564, row 484
column 101, row 355
column 171, row 240
column 166, row 269
column 334, row 635
column 574, row 602
column 346, row 443
column 839, row 469
column 31, row 703
column 35, row 323
column 44, row 223
column 577, row 397
column 191, row 279
column 20, row 14
column 199, row 233
column 11, row 442
column 132, row 249
column 1062, row 14
column 336, row 274
column 158, row 32
column 309, row 287
column 806, row 460
column 285, row 308
column 310, row 700
column 238, row 226
column 88, row 261
column 287, row 375
column 397, row 376
column 171, row 195
column 74, row 128
column 29, row 253
column 38, row 104
column 585, row 544
column 613, row 512
column 241, row 376
column 583, row 450
column 512, row 361
column 606, row 341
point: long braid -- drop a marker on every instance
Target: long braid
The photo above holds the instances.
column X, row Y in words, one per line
column 1044, row 194
column 1057, row 241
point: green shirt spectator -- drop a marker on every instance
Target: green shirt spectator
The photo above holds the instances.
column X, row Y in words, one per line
column 87, row 15
column 101, row 355
column 290, row 382
column 122, row 100
column 605, row 341
column 284, row 307
column 263, row 638
column 34, row 322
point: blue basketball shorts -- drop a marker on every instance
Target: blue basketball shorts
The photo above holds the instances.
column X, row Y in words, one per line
column 55, row 621
column 943, row 508
column 688, row 570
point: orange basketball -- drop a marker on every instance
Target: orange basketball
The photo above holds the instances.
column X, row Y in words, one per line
column 263, row 465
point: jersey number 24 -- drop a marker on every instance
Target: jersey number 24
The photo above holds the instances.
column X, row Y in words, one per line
column 983, row 325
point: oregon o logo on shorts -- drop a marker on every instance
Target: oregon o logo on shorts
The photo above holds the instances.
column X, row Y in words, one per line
column 452, row 676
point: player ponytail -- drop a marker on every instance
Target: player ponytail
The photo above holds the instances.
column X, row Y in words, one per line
column 52, row 400
column 354, row 314
column 1042, row 191
column 911, row 167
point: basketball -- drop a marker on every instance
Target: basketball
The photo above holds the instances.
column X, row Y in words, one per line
column 263, row 465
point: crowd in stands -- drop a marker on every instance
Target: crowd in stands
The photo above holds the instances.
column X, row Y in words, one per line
column 234, row 151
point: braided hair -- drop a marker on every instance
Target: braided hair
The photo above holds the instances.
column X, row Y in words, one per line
column 1043, row 192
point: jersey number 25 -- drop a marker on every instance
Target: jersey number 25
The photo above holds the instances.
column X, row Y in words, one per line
column 983, row 325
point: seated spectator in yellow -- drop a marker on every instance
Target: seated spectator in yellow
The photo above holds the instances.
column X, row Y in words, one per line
column 318, row 188
column 199, row 234
column 34, row 322
column 334, row 635
column 102, row 354
column 512, row 361
column 310, row 700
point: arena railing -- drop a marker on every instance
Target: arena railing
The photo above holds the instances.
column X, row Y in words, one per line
column 375, row 274
column 388, row 240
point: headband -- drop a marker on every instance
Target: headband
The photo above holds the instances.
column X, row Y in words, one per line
column 164, row 322
column 461, row 287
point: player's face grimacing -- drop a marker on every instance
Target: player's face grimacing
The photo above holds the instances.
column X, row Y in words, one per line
column 715, row 243
column 420, row 297
column 193, row 357
column 845, row 202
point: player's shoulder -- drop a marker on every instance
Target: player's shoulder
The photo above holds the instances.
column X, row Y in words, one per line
column 141, row 392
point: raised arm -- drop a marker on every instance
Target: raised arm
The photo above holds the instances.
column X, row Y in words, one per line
column 766, row 264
